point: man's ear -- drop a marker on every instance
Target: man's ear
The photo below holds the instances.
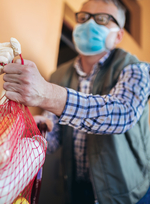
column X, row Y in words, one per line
column 119, row 37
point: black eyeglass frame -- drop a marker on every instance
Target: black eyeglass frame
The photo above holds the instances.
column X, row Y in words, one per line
column 111, row 18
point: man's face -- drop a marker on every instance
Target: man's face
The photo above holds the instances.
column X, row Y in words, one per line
column 95, row 7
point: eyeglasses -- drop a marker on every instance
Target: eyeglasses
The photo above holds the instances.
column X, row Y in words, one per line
column 100, row 18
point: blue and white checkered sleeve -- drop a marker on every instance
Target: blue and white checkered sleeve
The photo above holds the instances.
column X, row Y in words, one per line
column 53, row 137
column 113, row 113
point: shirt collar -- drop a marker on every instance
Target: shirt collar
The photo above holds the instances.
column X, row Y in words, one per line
column 78, row 66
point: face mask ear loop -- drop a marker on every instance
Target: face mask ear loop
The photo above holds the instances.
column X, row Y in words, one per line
column 114, row 29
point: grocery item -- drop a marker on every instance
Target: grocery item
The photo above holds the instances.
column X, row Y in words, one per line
column 22, row 148
column 21, row 200
column 28, row 157
column 8, row 128
column 9, row 50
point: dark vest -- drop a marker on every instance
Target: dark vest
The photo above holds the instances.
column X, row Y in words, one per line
column 119, row 163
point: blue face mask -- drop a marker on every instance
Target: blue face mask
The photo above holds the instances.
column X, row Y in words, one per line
column 90, row 38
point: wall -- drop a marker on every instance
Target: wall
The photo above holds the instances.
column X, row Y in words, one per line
column 37, row 26
column 129, row 44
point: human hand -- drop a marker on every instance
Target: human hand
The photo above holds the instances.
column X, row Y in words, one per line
column 24, row 83
column 43, row 121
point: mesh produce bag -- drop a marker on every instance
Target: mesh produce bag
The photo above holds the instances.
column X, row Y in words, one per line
column 22, row 153
column 22, row 148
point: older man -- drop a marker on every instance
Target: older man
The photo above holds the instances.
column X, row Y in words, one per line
column 106, row 151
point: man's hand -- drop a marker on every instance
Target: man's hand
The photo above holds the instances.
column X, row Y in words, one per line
column 41, row 119
column 24, row 84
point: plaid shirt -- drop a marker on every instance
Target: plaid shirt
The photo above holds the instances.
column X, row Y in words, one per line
column 108, row 114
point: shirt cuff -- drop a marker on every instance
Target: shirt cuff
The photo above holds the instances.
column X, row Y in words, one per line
column 75, row 110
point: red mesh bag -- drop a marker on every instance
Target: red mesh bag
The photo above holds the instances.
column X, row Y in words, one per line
column 22, row 153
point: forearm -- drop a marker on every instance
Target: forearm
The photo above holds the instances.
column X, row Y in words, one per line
column 109, row 115
column 54, row 99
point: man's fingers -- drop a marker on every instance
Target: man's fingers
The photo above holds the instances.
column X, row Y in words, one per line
column 49, row 124
column 11, row 87
column 16, row 88
column 17, row 68
column 26, row 62
column 15, row 93
column 38, row 118
column 13, row 96
column 12, row 68
column 12, row 78
column 26, row 81
column 42, row 119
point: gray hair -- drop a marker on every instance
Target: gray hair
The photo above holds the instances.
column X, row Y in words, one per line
column 121, row 9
